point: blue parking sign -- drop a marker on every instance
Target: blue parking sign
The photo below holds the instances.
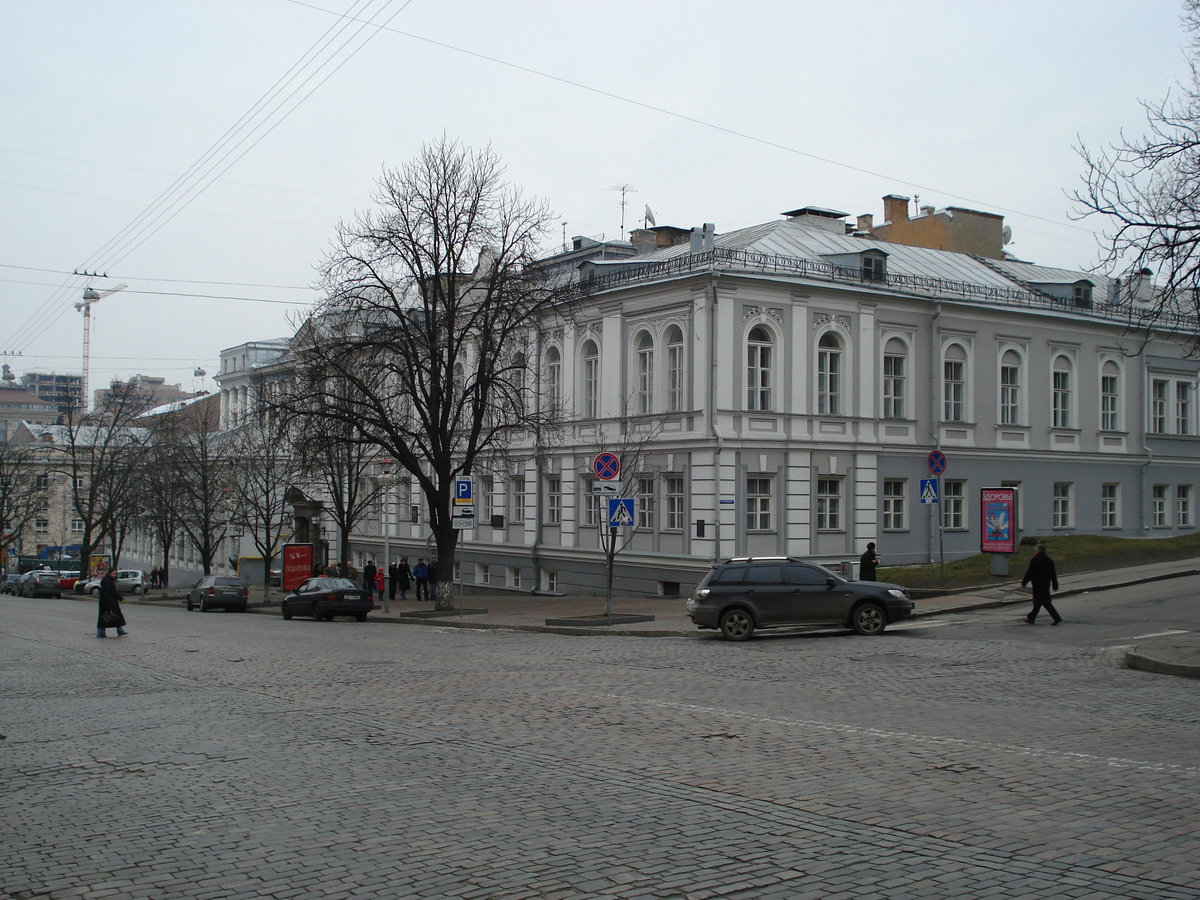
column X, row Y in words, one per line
column 463, row 489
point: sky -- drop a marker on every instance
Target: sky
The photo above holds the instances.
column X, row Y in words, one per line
column 726, row 112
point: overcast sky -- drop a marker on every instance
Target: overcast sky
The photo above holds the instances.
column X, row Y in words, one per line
column 727, row 112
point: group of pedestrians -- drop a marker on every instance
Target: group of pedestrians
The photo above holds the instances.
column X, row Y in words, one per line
column 400, row 578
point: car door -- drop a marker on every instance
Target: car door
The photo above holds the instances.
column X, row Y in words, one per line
column 306, row 596
column 811, row 597
column 765, row 589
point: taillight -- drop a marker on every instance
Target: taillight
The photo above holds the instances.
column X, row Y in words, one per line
column 212, row 591
column 245, row 592
column 331, row 596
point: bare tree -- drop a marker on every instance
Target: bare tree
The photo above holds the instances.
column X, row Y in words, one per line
column 203, row 478
column 432, row 303
column 1147, row 191
column 23, row 491
column 162, row 494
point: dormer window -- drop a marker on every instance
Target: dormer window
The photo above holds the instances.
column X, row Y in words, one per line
column 874, row 268
column 1083, row 294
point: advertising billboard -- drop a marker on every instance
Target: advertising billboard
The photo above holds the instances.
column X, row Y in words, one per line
column 998, row 530
column 297, row 565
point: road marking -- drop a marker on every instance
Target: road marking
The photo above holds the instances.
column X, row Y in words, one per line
column 910, row 626
column 1139, row 637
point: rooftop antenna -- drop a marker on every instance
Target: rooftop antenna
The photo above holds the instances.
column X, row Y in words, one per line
column 624, row 189
column 564, row 225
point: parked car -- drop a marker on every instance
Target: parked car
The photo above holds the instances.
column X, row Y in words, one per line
column 324, row 598
column 129, row 581
column 39, row 583
column 741, row 595
column 67, row 581
column 9, row 584
column 218, row 591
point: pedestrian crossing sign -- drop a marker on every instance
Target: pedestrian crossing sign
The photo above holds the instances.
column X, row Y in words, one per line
column 929, row 490
column 620, row 512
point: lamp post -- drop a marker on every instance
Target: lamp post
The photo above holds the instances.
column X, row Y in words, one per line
column 386, row 483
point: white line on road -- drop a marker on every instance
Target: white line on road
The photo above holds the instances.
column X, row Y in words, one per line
column 1138, row 637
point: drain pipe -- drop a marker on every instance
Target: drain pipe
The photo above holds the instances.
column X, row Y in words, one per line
column 712, row 411
column 935, row 431
column 539, row 493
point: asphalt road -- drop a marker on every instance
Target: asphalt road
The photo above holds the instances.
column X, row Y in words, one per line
column 230, row 756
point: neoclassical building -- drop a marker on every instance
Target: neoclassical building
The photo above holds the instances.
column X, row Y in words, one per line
column 778, row 389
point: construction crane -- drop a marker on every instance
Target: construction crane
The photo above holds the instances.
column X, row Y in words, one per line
column 90, row 296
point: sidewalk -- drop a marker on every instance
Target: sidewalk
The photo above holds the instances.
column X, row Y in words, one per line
column 667, row 616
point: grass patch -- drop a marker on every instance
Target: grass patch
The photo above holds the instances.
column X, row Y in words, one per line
column 1071, row 553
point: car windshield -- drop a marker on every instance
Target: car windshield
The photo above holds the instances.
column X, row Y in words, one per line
column 332, row 584
column 229, row 582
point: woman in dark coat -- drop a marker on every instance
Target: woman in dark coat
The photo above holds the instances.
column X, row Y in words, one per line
column 110, row 602
column 404, row 578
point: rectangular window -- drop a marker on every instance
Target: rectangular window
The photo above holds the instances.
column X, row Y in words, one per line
column 518, row 498
column 676, row 513
column 1061, row 399
column 674, row 377
column 514, row 576
column 646, row 378
column 1183, row 408
column 41, row 526
column 1010, row 395
column 645, row 503
column 1110, row 506
column 485, row 573
column 955, row 389
column 79, row 482
column 1183, row 506
column 591, row 503
column 829, row 504
column 954, row 505
column 487, row 498
column 893, row 387
column 758, row 503
column 1158, row 407
column 894, row 490
column 77, row 526
column 42, row 482
column 1108, row 403
column 758, row 376
column 553, row 500
column 829, row 382
column 1063, row 513
column 551, row 580
column 1158, row 505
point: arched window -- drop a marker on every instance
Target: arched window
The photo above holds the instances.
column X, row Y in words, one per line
column 829, row 375
column 954, row 384
column 1110, row 397
column 645, row 374
column 553, row 391
column 519, row 382
column 758, row 369
column 895, row 379
column 591, row 380
column 674, row 369
column 1060, row 396
column 1010, row 388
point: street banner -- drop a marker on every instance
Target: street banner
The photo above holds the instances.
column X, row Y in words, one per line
column 998, row 531
column 297, row 565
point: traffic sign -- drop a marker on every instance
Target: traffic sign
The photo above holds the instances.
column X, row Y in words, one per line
column 607, row 466
column 463, row 518
column 937, row 462
column 929, row 490
column 608, row 490
column 464, row 490
column 620, row 512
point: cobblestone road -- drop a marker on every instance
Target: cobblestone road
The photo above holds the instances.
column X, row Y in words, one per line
column 222, row 756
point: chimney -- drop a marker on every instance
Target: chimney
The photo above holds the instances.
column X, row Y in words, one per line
column 643, row 240
column 697, row 241
column 1141, row 286
column 927, row 210
column 895, row 208
column 866, row 223
column 709, row 236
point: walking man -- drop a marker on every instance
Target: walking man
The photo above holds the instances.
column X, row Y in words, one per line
column 866, row 563
column 1042, row 576
column 421, row 577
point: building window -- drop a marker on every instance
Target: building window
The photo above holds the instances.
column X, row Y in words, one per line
column 485, row 573
column 758, row 370
column 1010, row 388
column 518, row 498
column 487, row 496
column 591, row 503
column 829, row 375
column 674, row 370
column 676, row 514
column 42, row 482
column 414, row 508
column 1183, row 408
column 1110, row 506
column 1109, row 397
column 1061, row 393
column 553, row 500
column 41, row 526
column 1063, row 514
column 758, row 503
column 645, row 503
column 894, row 490
column 514, row 576
column 645, row 362
column 553, row 378
column 829, row 504
column 1183, row 506
column 893, row 379
column 954, row 505
column 77, row 526
column 1158, row 505
column 954, row 384
column 551, row 581
column 591, row 380
column 874, row 268
column 1083, row 295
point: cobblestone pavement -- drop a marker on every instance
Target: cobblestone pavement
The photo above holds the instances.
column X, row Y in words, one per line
column 226, row 756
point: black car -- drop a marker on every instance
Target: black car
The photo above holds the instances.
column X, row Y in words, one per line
column 218, row 592
column 740, row 595
column 324, row 598
column 39, row 583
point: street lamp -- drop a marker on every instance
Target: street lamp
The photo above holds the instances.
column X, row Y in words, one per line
column 387, row 481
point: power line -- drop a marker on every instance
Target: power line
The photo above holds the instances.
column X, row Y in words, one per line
column 286, row 287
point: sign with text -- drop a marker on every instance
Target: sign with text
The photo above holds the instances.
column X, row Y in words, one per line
column 998, row 531
column 297, row 565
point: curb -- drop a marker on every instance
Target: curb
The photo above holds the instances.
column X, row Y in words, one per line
column 1136, row 660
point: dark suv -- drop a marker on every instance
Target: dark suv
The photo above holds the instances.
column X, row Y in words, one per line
column 740, row 595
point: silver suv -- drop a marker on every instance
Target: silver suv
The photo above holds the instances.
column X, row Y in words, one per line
column 740, row 595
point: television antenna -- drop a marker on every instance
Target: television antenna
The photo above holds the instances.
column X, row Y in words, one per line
column 624, row 189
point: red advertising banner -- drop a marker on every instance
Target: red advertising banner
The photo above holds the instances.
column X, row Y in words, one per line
column 998, row 528
column 297, row 565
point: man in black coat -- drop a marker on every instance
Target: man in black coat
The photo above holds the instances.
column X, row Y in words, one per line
column 369, row 577
column 1042, row 576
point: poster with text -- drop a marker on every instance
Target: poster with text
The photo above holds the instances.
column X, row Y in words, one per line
column 998, row 531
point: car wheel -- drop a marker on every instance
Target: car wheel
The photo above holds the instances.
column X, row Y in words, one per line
column 241, row 608
column 137, row 588
column 190, row 605
column 318, row 615
column 737, row 625
column 285, row 611
column 95, row 592
column 203, row 605
column 362, row 617
column 869, row 619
